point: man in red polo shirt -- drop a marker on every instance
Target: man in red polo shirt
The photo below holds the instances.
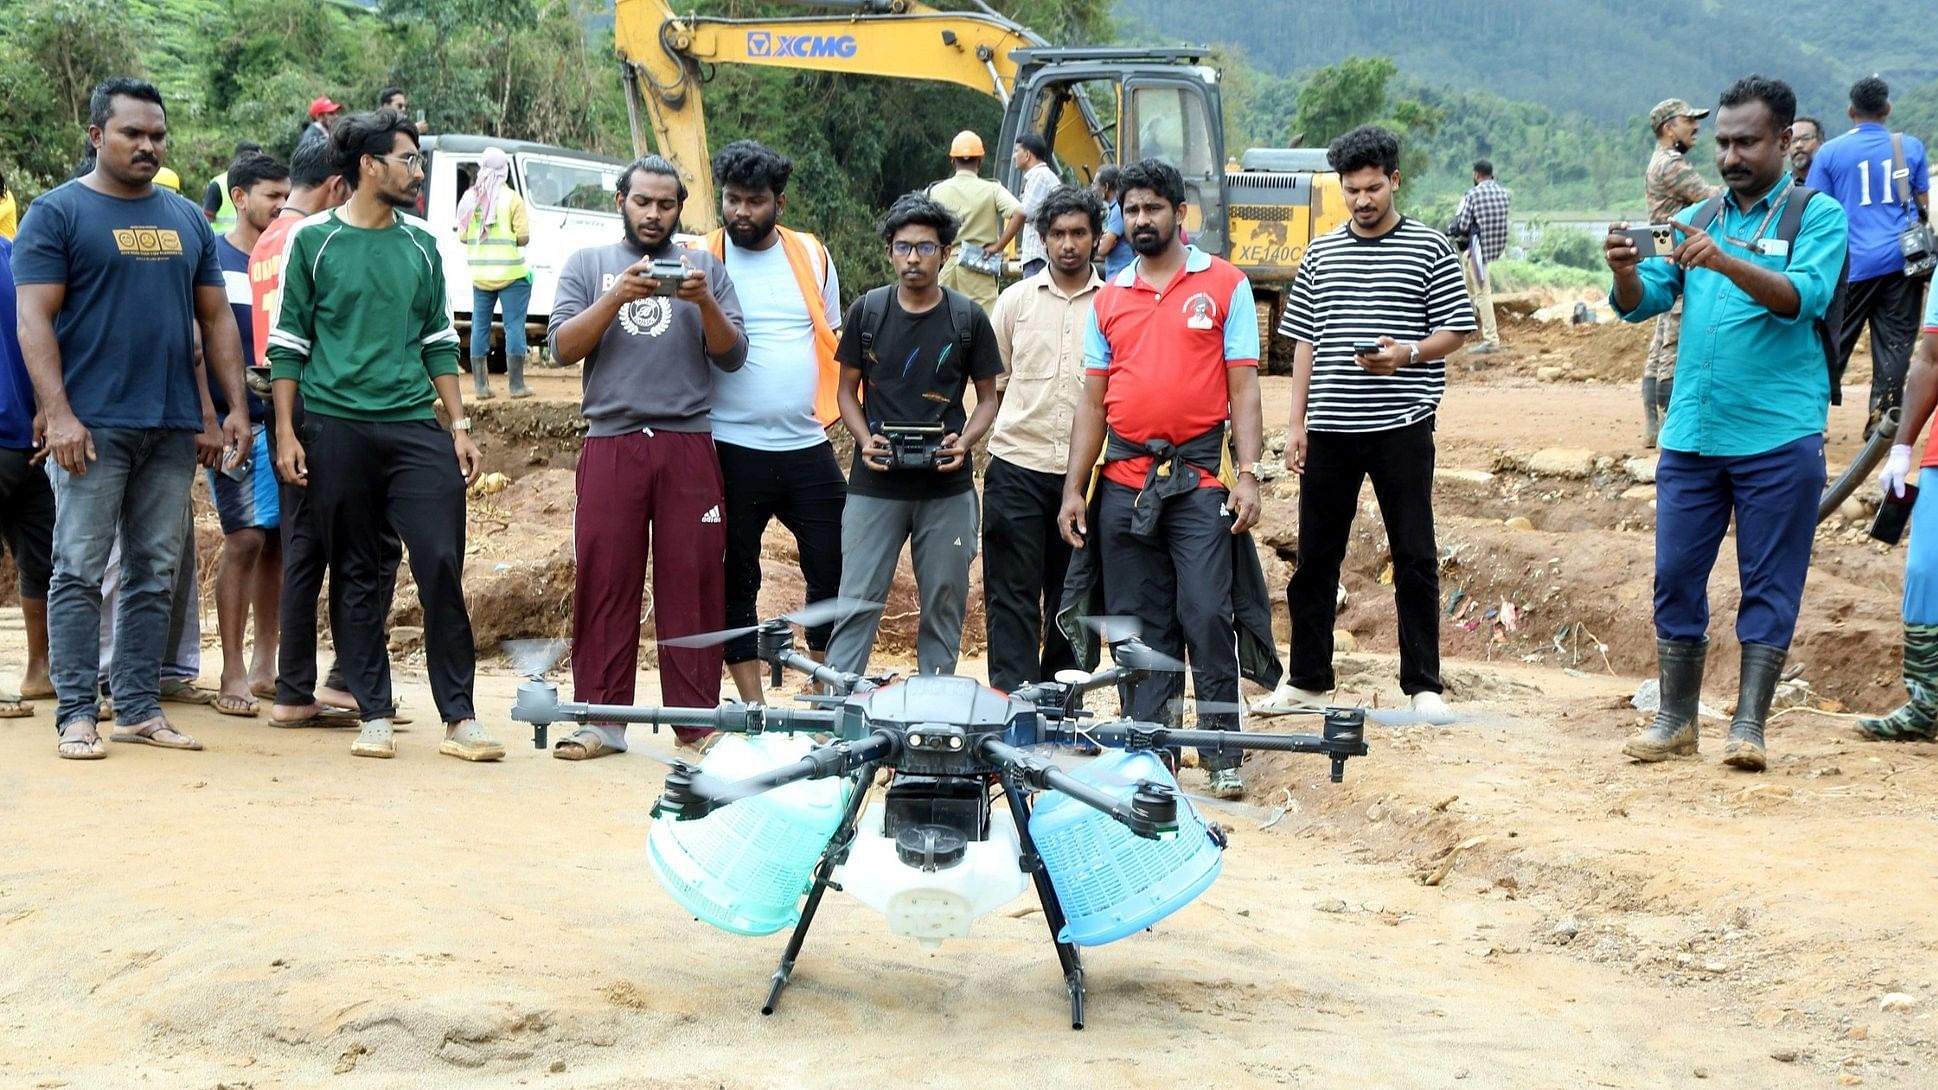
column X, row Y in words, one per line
column 1171, row 375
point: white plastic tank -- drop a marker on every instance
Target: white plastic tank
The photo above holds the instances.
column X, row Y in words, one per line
column 940, row 904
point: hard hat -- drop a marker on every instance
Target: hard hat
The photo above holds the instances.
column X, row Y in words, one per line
column 966, row 145
column 323, row 105
column 168, row 179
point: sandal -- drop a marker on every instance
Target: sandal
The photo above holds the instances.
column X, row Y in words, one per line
column 46, row 693
column 240, row 706
column 328, row 717
column 81, row 745
column 469, row 742
column 15, row 708
column 183, row 691
column 374, row 740
column 157, row 732
column 586, row 744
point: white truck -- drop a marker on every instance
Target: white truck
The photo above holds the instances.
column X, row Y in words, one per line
column 569, row 198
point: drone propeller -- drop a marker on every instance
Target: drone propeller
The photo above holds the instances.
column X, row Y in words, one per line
column 1385, row 717
column 814, row 613
column 1115, row 629
column 1266, row 817
column 534, row 658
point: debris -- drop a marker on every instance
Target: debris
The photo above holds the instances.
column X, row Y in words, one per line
column 490, row 484
column 1700, row 1072
column 1518, row 522
column 1897, row 1001
column 558, row 1067
column 1859, row 1032
column 1784, row 1055
column 1445, row 867
column 1441, row 806
column 1642, row 470
column 1565, row 930
column 1848, row 1079
column 1640, row 492
column 1343, row 642
column 1333, row 905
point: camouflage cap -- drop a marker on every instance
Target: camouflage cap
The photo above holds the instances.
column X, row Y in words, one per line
column 1671, row 107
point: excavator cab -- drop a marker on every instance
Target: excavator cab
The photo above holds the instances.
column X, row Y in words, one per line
column 1112, row 105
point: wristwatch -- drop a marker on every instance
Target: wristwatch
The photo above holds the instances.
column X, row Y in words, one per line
column 1413, row 353
column 462, row 423
column 1250, row 469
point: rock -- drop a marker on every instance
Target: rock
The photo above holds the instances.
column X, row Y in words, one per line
column 1343, row 642
column 1897, row 1001
column 1463, row 476
column 1376, row 812
column 1550, row 374
column 1334, row 905
column 1784, row 1055
column 1850, row 1080
column 490, row 484
column 1648, row 696
column 558, row 1067
column 1642, row 492
column 1641, row 469
column 1570, row 462
column 1700, row 1072
column 1858, row 1033
column 405, row 636
column 1565, row 930
column 1851, row 509
column 1518, row 523
column 1714, row 967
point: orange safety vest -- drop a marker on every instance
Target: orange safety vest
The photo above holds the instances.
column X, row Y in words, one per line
column 826, row 409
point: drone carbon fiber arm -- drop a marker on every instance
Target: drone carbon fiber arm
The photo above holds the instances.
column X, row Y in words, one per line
column 1147, row 816
column 691, row 793
column 1344, row 736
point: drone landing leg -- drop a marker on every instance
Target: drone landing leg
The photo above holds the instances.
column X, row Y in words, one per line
column 831, row 858
column 1066, row 953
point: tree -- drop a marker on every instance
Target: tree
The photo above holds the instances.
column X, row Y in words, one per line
column 1344, row 96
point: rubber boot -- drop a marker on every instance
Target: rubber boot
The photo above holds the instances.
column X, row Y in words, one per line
column 1651, row 414
column 515, row 366
column 1673, row 734
column 1916, row 720
column 1762, row 669
column 481, row 377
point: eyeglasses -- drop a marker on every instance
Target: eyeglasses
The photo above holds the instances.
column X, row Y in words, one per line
column 925, row 249
column 408, row 162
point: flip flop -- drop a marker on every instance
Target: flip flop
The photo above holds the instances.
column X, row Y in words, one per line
column 36, row 694
column 587, row 745
column 150, row 734
column 185, row 692
column 328, row 717
column 15, row 708
column 374, row 740
column 469, row 742
column 240, row 706
column 91, row 746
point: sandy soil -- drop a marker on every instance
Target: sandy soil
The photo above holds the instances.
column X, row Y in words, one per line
column 273, row 913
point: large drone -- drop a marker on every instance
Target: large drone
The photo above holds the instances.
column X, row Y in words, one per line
column 1111, row 845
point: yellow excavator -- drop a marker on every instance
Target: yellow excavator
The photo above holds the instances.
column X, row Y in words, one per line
column 1097, row 105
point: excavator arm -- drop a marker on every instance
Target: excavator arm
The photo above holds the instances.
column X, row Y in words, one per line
column 665, row 57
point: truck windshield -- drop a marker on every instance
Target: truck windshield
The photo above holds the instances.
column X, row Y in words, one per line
column 585, row 187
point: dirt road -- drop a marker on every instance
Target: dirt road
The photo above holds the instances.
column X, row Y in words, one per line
column 274, row 913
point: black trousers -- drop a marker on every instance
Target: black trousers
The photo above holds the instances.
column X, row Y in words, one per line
column 1177, row 584
column 304, row 565
column 364, row 475
column 1024, row 559
column 1891, row 305
column 806, row 491
column 1400, row 462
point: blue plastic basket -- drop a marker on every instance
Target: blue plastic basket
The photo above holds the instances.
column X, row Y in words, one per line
column 1111, row 882
column 744, row 867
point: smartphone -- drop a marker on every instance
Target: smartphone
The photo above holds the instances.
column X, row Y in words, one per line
column 1365, row 348
column 1655, row 240
column 1892, row 515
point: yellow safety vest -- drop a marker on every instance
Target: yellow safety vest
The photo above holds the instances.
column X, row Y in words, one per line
column 225, row 214
column 495, row 256
column 809, row 277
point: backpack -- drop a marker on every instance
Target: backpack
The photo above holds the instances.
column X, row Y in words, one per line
column 962, row 318
column 1830, row 327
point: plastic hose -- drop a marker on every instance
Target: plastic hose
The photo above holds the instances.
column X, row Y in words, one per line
column 1860, row 470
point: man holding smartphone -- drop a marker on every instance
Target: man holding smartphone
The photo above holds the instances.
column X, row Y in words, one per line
column 652, row 320
column 1377, row 305
column 1744, row 436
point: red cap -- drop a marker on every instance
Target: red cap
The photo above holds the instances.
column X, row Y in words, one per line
column 323, row 106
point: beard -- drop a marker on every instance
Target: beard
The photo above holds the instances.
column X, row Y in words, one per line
column 750, row 234
column 1150, row 243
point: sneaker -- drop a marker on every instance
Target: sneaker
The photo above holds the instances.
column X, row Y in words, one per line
column 1290, row 697
column 1226, row 784
column 1431, row 709
column 1484, row 348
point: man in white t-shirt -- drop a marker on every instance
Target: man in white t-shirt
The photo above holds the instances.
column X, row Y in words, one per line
column 769, row 417
column 1032, row 157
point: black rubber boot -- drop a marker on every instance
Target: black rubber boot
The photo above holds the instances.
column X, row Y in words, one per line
column 1673, row 734
column 1651, row 413
column 481, row 377
column 1762, row 669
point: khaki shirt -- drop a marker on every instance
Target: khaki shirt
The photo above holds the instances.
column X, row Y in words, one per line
column 1671, row 184
column 1039, row 331
column 981, row 206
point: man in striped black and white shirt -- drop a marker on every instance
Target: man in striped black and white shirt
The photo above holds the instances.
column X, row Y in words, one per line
column 1376, row 307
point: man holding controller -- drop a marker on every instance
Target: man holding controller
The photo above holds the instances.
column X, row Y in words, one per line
column 1744, row 435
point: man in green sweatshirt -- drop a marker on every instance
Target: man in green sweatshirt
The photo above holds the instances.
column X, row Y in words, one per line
column 363, row 328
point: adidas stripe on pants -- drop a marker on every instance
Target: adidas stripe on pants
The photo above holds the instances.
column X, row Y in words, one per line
column 656, row 492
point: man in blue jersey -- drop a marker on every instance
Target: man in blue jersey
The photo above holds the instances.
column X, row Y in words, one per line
column 1881, row 179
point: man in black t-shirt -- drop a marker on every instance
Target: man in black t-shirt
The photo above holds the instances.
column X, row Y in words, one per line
column 908, row 353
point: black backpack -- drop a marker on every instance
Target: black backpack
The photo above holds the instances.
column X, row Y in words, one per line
column 962, row 318
column 1830, row 327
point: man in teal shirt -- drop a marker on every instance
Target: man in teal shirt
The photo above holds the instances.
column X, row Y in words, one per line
column 1744, row 434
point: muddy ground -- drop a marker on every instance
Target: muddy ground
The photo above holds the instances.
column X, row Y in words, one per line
column 1505, row 903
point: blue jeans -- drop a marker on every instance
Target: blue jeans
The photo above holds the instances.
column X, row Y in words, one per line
column 1774, row 498
column 516, row 298
column 134, row 487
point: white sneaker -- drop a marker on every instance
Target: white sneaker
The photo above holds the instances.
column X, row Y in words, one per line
column 1432, row 709
column 1289, row 696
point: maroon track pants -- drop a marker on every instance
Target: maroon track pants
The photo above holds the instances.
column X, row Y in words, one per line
column 631, row 488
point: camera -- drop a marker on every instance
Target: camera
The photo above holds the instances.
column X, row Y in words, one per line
column 912, row 446
column 669, row 271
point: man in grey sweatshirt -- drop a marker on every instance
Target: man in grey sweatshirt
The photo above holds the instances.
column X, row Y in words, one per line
column 648, row 469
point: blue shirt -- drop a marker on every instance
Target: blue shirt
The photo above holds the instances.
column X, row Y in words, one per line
column 16, row 391
column 1120, row 255
column 235, row 281
column 126, row 325
column 1747, row 381
column 1856, row 169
